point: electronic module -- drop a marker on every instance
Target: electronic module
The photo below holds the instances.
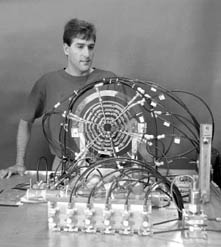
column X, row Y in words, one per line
column 119, row 142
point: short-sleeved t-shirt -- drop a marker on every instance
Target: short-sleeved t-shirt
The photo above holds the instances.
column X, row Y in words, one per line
column 55, row 87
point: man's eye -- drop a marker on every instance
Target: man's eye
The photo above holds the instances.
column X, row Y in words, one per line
column 91, row 47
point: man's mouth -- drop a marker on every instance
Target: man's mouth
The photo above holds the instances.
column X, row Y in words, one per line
column 86, row 61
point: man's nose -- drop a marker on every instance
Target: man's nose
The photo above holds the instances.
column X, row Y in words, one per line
column 86, row 52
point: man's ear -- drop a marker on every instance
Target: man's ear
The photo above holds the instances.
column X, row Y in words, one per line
column 66, row 49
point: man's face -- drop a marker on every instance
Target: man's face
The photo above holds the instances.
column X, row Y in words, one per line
column 80, row 56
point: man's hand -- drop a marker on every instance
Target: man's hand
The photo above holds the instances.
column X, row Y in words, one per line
column 12, row 170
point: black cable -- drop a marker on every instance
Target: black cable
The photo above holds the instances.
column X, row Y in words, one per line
column 213, row 230
column 131, row 84
column 42, row 158
column 165, row 222
column 135, row 88
column 171, row 230
column 206, row 105
column 144, row 168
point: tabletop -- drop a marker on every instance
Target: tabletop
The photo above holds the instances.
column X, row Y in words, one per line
column 27, row 225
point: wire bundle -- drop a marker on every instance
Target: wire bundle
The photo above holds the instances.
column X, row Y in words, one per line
column 130, row 126
column 111, row 117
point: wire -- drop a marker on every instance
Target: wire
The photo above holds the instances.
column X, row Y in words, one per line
column 213, row 230
column 46, row 166
column 171, row 230
column 206, row 105
column 165, row 222
column 141, row 167
column 136, row 93
column 173, row 183
column 118, row 101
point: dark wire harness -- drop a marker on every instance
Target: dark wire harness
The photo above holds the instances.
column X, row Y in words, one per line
column 155, row 102
column 109, row 120
column 119, row 175
column 101, row 127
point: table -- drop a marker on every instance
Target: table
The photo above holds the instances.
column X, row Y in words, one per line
column 26, row 225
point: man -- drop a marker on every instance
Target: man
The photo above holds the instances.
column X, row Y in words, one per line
column 79, row 39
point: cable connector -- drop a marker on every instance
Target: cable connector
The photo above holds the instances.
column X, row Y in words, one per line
column 146, row 225
column 89, row 221
column 218, row 219
column 126, row 223
column 108, row 220
column 71, row 219
column 53, row 217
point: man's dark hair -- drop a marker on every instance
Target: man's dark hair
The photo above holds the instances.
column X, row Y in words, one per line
column 76, row 28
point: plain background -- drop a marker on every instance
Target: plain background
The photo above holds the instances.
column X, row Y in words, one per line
column 176, row 43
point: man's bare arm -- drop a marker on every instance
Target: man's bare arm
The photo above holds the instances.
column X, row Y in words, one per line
column 23, row 137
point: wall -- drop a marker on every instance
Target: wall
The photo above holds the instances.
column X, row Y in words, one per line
column 176, row 43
